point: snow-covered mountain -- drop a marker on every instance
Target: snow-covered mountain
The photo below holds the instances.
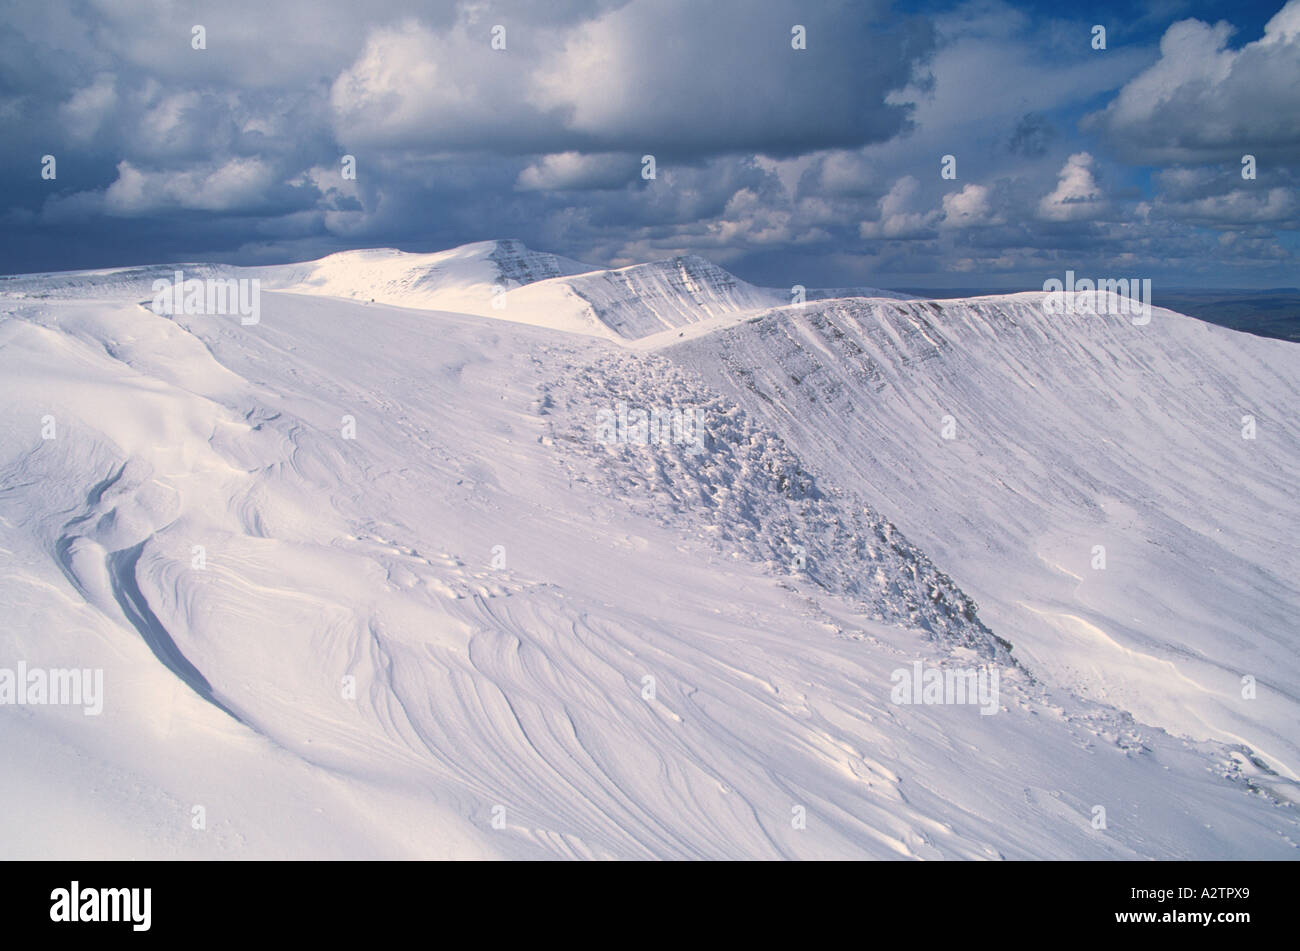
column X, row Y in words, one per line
column 635, row 302
column 504, row 279
column 463, row 279
column 409, row 579
column 1102, row 495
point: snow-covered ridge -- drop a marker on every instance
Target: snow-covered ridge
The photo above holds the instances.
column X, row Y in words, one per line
column 1100, row 494
column 502, row 279
column 837, row 293
column 638, row 301
column 463, row 279
column 442, row 280
column 505, row 280
column 121, row 284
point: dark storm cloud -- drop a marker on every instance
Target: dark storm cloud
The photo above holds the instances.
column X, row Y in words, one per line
column 146, row 128
column 818, row 166
column 673, row 77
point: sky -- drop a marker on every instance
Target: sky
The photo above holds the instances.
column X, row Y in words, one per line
column 822, row 165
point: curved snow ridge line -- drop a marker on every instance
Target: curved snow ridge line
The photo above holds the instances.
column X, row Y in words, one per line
column 518, row 265
column 119, row 567
column 644, row 299
column 135, row 607
column 71, row 553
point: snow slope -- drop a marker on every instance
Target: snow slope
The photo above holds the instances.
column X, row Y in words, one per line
column 500, row 583
column 1071, row 431
column 505, row 280
column 502, row 279
column 464, row 278
column 635, row 302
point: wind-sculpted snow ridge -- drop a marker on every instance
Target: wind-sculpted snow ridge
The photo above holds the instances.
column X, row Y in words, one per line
column 518, row 265
column 1118, row 496
column 631, row 303
column 368, row 582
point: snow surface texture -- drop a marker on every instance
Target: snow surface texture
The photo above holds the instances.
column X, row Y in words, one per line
column 501, row 582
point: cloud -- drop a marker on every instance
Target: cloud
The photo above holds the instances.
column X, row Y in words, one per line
column 88, row 107
column 438, row 90
column 1218, row 197
column 1076, row 196
column 687, row 78
column 672, row 78
column 235, row 185
column 1202, row 101
column 968, row 207
column 1237, row 208
column 821, row 162
column 841, row 172
column 900, row 216
column 574, row 171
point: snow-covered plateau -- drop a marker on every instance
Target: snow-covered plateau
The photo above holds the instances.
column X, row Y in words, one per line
column 488, row 554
